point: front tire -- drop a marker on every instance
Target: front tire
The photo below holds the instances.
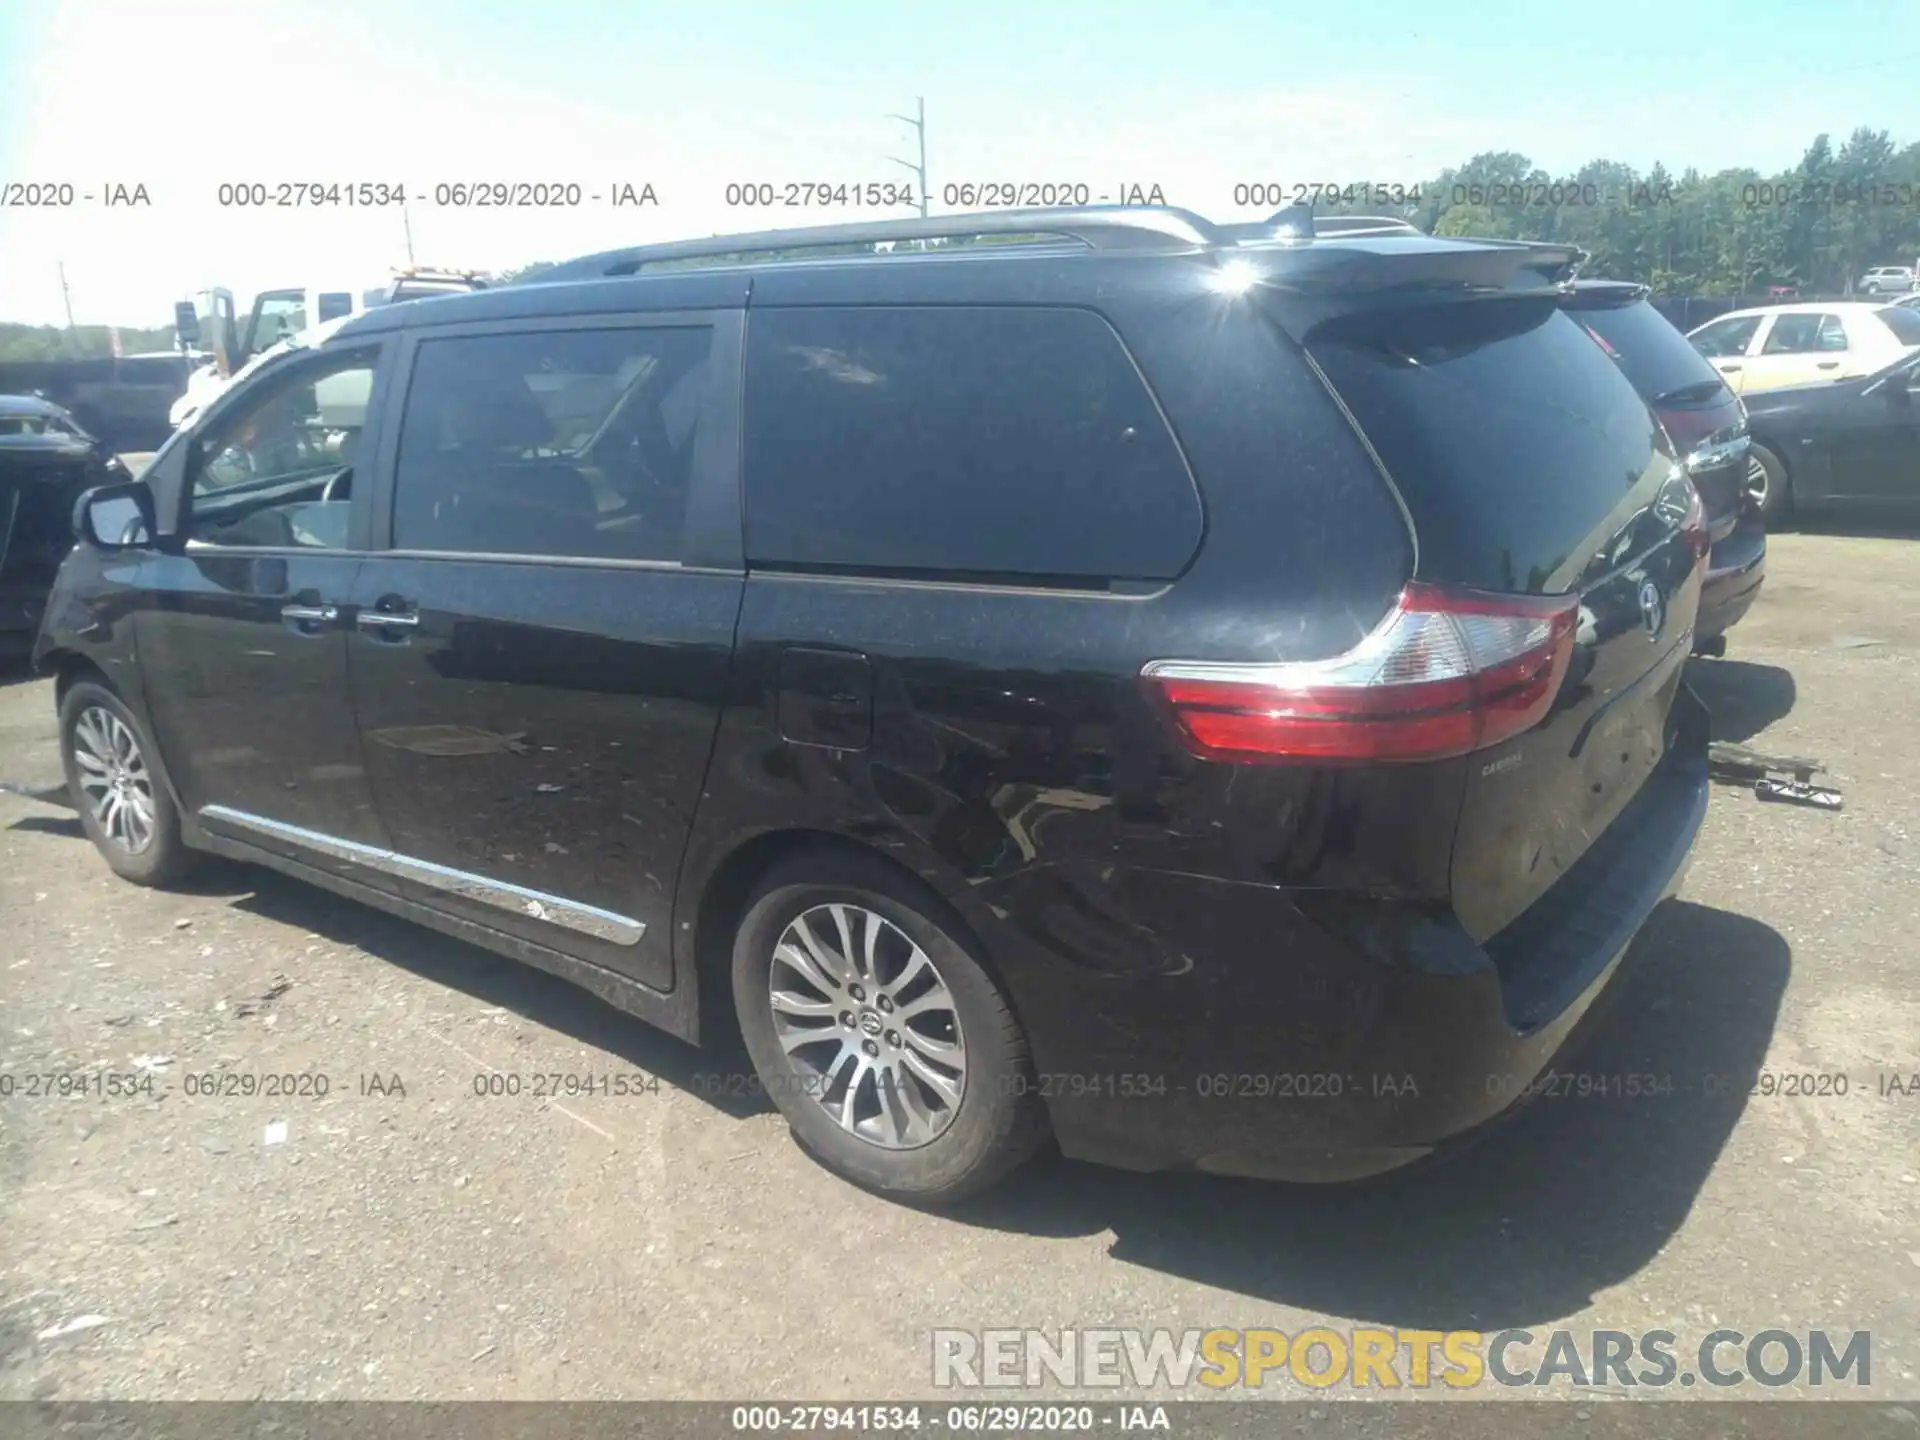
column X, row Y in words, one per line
column 1769, row 484
column 124, row 804
column 884, row 1042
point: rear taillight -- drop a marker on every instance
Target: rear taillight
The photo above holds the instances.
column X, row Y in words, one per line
column 1447, row 672
column 1694, row 526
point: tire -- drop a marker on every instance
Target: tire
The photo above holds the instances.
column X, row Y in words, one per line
column 1767, row 476
column 106, row 751
column 928, row 1147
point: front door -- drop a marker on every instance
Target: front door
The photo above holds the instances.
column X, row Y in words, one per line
column 537, row 669
column 1725, row 344
column 242, row 640
column 1876, row 446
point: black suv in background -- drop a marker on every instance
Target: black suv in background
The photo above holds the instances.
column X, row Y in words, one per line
column 47, row 461
column 1213, row 697
column 1708, row 426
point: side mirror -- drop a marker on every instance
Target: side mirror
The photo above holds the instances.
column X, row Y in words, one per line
column 115, row 517
column 186, row 324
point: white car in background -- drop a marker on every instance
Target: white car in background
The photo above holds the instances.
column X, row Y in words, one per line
column 1798, row 344
column 1887, row 280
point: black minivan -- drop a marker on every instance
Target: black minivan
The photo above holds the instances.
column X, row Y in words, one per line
column 1212, row 698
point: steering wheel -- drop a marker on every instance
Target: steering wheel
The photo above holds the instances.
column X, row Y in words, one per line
column 339, row 485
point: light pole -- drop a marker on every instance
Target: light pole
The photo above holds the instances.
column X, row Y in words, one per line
column 919, row 123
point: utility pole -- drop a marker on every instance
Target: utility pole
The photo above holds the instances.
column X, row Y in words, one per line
column 407, row 222
column 66, row 294
column 919, row 123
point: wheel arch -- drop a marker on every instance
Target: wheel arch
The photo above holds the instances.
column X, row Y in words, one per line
column 731, row 883
column 69, row 667
column 1789, row 477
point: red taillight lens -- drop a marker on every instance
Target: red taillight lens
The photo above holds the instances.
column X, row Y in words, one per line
column 1446, row 673
column 1694, row 526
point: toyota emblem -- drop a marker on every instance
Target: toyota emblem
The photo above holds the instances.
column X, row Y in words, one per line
column 1652, row 611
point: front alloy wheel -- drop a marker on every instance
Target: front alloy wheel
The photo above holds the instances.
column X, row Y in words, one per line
column 869, row 1023
column 119, row 785
column 115, row 784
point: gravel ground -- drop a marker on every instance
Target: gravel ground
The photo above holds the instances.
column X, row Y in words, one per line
column 403, row 1237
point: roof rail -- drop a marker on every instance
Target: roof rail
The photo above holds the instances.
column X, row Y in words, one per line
column 1364, row 225
column 436, row 273
column 1122, row 228
column 1298, row 222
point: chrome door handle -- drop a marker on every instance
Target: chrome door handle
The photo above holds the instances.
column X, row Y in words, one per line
column 385, row 619
column 310, row 614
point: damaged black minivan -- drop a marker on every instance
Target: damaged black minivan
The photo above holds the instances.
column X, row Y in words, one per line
column 1208, row 695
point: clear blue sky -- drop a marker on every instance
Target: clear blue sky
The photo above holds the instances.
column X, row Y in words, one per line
column 1194, row 96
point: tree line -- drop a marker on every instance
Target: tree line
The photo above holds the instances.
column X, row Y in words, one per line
column 1817, row 225
column 82, row 342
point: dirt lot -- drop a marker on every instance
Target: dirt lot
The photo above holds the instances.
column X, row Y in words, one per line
column 417, row 1240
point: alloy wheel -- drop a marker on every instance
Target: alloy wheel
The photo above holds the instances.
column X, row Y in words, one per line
column 1756, row 482
column 870, row 1025
column 114, row 778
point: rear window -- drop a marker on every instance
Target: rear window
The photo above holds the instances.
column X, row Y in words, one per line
column 963, row 442
column 1657, row 358
column 1516, row 443
column 1904, row 323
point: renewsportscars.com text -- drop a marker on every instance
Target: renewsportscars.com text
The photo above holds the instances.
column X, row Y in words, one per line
column 1391, row 1359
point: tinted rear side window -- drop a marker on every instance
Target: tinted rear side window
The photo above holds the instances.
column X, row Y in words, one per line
column 977, row 441
column 1516, row 443
column 1657, row 358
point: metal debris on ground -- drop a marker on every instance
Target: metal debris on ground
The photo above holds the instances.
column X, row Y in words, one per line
column 258, row 1004
column 47, row 792
column 1782, row 778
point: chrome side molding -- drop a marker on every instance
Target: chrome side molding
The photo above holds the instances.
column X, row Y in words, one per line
column 517, row 899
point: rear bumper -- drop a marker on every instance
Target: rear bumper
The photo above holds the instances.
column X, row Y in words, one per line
column 1735, row 571
column 1311, row 1037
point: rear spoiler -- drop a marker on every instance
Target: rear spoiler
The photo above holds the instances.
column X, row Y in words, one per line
column 1319, row 282
column 1604, row 295
column 1337, row 263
